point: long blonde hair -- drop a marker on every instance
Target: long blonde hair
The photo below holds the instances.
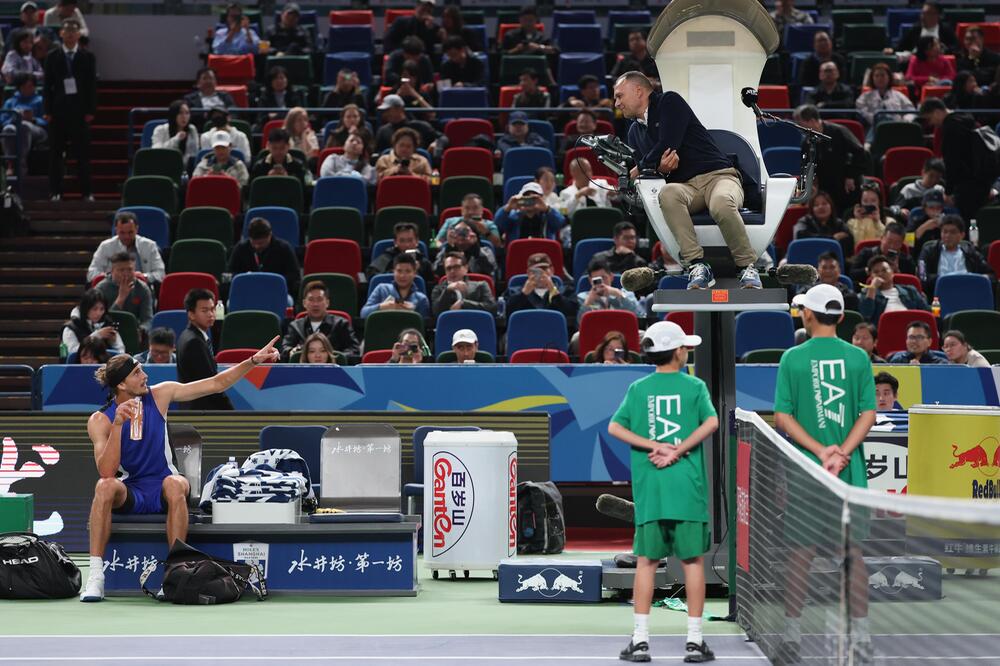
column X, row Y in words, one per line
column 293, row 114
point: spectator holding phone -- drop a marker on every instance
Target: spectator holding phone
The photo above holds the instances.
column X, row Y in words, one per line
column 540, row 291
column 236, row 37
column 405, row 241
column 527, row 215
column 90, row 319
column 612, row 350
column 410, row 348
column 603, row 295
column 126, row 292
column 462, row 239
column 221, row 162
column 472, row 215
column 346, row 93
column 526, row 39
column 403, row 159
column 400, row 294
column 867, row 222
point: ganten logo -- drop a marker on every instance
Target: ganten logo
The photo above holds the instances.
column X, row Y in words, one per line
column 453, row 501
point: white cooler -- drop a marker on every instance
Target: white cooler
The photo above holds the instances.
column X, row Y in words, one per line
column 470, row 500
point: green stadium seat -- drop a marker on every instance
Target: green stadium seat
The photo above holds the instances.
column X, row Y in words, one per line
column 511, row 67
column 980, row 327
column 341, row 288
column 455, row 188
column 859, row 63
column 198, row 255
column 128, row 329
column 991, row 355
column 159, row 162
column 159, row 191
column 276, row 191
column 595, row 222
column 206, row 222
column 248, row 329
column 894, row 133
column 845, row 329
column 863, row 37
column 843, row 17
column 299, row 68
column 383, row 327
column 336, row 222
column 763, row 356
column 390, row 216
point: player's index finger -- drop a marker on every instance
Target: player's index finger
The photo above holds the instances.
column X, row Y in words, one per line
column 273, row 340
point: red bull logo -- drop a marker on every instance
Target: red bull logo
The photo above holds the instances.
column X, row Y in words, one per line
column 453, row 500
column 978, row 458
column 512, row 504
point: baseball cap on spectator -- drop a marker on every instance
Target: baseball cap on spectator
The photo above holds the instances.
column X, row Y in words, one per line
column 539, row 259
column 933, row 197
column 293, row 7
column 531, row 188
column 518, row 117
column 464, row 335
column 28, row 5
column 390, row 101
column 221, row 139
column 426, row 2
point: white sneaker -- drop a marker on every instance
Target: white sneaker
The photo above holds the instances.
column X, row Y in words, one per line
column 94, row 590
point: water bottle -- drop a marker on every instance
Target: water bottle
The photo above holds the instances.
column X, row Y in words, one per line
column 63, row 351
column 974, row 233
column 435, row 178
column 220, row 311
column 936, row 307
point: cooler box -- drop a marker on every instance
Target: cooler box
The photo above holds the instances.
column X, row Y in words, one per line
column 17, row 513
column 470, row 499
column 541, row 580
column 269, row 513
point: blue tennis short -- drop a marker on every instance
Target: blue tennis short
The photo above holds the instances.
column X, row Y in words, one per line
column 144, row 496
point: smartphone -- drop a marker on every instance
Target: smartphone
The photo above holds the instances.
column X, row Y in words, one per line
column 869, row 209
column 535, row 272
column 404, row 80
column 619, row 354
column 404, row 162
column 597, row 281
column 411, row 349
column 115, row 324
column 412, row 250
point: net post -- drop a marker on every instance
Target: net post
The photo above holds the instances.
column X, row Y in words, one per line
column 844, row 637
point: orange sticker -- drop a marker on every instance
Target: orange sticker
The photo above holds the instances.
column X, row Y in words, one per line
column 720, row 295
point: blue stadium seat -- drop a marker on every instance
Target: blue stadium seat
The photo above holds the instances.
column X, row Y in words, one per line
column 359, row 61
column 147, row 132
column 175, row 320
column 783, row 159
column 673, row 282
column 778, row 135
column 848, row 282
column 481, row 322
column 350, row 38
column 304, row 440
column 967, row 291
column 284, row 222
column 536, row 329
column 463, row 97
column 154, row 223
column 574, row 65
column 763, row 330
column 545, row 130
column 807, row 250
column 512, row 186
column 340, row 191
column 387, row 277
column 259, row 291
column 799, row 37
column 525, row 161
column 895, row 17
column 795, row 61
column 586, row 249
column 381, row 246
column 579, row 38
column 567, row 91
column 563, row 17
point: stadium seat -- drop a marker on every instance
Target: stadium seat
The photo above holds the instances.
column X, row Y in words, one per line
column 462, row 98
column 234, row 355
column 683, row 319
column 511, row 67
column 798, row 38
column 382, row 327
column 277, row 123
column 352, row 17
column 773, row 97
column 333, row 255
column 176, row 285
column 863, row 37
column 175, row 320
column 778, row 135
column 299, row 68
column 359, row 62
column 594, row 325
column 342, row 289
column 929, row 90
column 964, row 291
column 903, row 161
column 599, row 170
column 206, row 222
column 859, row 63
column 461, row 130
column 153, row 223
column 525, row 161
column 845, row 329
column 993, row 256
column 240, row 97
column 807, row 250
column 783, row 237
column 248, row 329
column 450, row 321
column 594, row 222
column 385, row 278
column 783, row 159
column 980, row 327
column 221, row 191
column 892, row 330
column 466, row 161
column 158, row 191
column 159, row 162
column 197, row 255
column 128, row 329
column 897, row 16
column 545, row 130
column 763, row 330
column 572, row 66
column 259, row 291
column 991, row 34
column 526, row 356
column 359, row 38
column 584, row 250
column 336, row 191
column 380, row 356
column 519, row 250
column 276, row 191
column 578, row 37
column 146, row 141
column 392, row 14
column 956, row 15
column 890, row 134
column 536, row 329
column 561, row 17
column 842, row 17
column 233, row 69
column 403, row 191
column 387, row 218
column 503, row 28
column 627, row 16
column 336, row 222
column 603, row 127
column 284, row 222
column 454, row 189
column 909, row 280
column 856, row 128
column 763, row 356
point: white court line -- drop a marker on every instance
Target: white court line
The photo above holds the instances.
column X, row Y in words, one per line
column 356, row 658
column 618, row 635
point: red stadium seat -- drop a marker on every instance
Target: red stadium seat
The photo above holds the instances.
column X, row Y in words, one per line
column 588, row 154
column 326, row 152
column 892, row 330
column 934, row 91
column 993, row 256
column 332, row 255
column 377, row 356
column 991, row 33
column 683, row 319
column 233, row 69
column 266, row 129
column 239, row 93
column 519, row 250
column 603, row 127
column 903, row 161
column 594, row 325
column 773, row 97
column 463, row 161
column 221, row 191
column 403, row 191
column 339, row 313
column 539, row 356
column 477, row 277
column 874, row 242
column 460, row 130
column 504, row 28
column 787, row 225
column 175, row 287
column 392, row 14
column 234, row 355
column 857, row 129
column 909, row 280
column 352, row 17
column 455, row 211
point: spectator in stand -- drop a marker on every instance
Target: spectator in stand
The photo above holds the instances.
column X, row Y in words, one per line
column 890, row 246
column 931, row 177
column 958, row 351
column 975, row 57
column 352, row 121
column 465, row 344
column 472, row 215
column 589, row 95
column 458, row 292
column 178, row 133
column 236, row 37
column 966, row 93
column 405, row 241
column 287, row 37
column 526, row 39
column 261, row 252
column 881, row 294
column 540, row 291
column 930, row 25
column 403, row 159
column 70, row 108
column 218, row 120
column 583, row 191
column 207, row 95
column 29, row 20
column 195, row 352
column 221, row 160
column 531, row 96
column 337, row 330
column 394, row 117
column 317, row 349
column 546, row 177
column 925, row 222
column 278, row 94
column 346, row 92
column 586, row 125
column 413, row 50
column 612, row 350
column 301, row 135
column 462, row 68
column 415, row 91
column 161, row 349
column 31, row 106
column 66, row 10
column 822, row 53
column 603, row 295
column 839, row 162
column 279, row 161
column 822, row 222
column 867, row 222
column 90, row 319
column 526, row 215
column 865, row 336
column 928, row 65
column 886, row 392
column 400, row 294
column 828, row 267
column 519, row 135
column 125, row 292
column 785, row 14
column 142, row 250
column 463, row 240
column 410, row 348
column 881, row 97
column 952, row 255
column 421, row 25
column 453, row 25
column 918, row 347
column 19, row 59
column 637, row 58
column 831, row 93
column 354, row 162
column 622, row 256
column 93, row 351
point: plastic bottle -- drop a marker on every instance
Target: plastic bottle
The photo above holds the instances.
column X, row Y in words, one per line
column 435, row 178
column 936, row 307
column 63, row 350
column 974, row 233
column 220, row 311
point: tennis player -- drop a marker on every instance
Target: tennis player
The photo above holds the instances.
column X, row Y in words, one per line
column 825, row 402
column 133, row 456
column 664, row 418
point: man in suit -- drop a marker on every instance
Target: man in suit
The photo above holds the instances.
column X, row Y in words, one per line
column 457, row 292
column 70, row 104
column 930, row 25
column 195, row 353
column 673, row 142
column 340, row 332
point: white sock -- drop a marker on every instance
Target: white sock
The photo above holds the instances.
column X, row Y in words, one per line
column 640, row 630
column 96, row 566
column 694, row 630
column 793, row 630
column 860, row 630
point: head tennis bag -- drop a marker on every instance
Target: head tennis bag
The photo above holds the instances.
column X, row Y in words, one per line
column 193, row 577
column 34, row 569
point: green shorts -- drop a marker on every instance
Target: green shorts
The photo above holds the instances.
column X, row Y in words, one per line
column 682, row 539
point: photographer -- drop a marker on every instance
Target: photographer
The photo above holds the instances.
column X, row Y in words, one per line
column 526, row 40
column 472, row 214
column 462, row 239
column 403, row 159
column 603, row 295
column 526, row 215
column 867, row 223
column 891, row 247
column 90, row 319
column 540, row 291
column 411, row 348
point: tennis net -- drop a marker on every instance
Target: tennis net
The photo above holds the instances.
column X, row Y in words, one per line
column 831, row 574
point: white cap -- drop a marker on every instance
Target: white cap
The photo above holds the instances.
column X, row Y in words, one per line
column 390, row 101
column 531, row 188
column 221, row 138
column 666, row 336
column 464, row 335
column 822, row 299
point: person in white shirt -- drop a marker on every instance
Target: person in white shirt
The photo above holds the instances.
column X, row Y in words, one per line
column 958, row 351
column 603, row 295
column 90, row 319
column 219, row 119
column 222, row 161
column 178, row 133
column 546, row 177
column 65, row 9
column 583, row 192
column 144, row 251
column 354, row 162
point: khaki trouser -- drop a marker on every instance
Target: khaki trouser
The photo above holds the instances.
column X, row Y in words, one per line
column 722, row 193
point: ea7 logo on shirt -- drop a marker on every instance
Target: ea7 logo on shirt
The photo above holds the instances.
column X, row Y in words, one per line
column 829, row 396
column 661, row 428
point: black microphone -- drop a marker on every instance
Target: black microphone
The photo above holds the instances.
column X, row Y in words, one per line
column 749, row 97
column 616, row 507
